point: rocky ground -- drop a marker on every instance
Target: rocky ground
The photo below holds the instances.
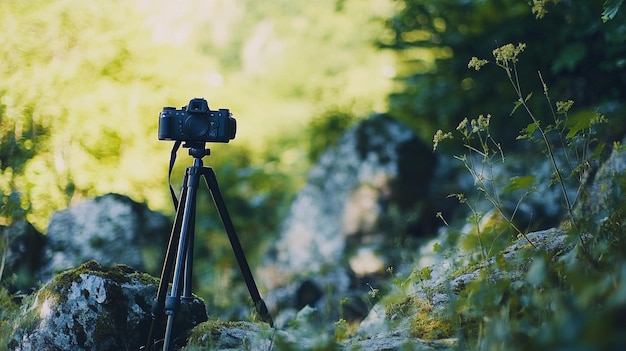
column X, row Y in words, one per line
column 439, row 300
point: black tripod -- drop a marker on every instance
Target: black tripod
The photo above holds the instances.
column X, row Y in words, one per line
column 178, row 265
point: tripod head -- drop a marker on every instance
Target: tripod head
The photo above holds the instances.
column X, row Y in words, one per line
column 197, row 149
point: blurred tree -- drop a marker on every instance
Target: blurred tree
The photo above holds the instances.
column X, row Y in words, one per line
column 325, row 131
column 78, row 99
column 288, row 62
column 82, row 89
column 580, row 57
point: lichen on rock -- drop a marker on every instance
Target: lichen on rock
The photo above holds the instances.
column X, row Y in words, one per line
column 94, row 308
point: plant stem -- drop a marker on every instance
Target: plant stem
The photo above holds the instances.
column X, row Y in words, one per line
column 551, row 157
column 4, row 254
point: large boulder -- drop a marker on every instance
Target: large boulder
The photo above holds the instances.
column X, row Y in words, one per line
column 111, row 229
column 96, row 308
column 377, row 170
column 363, row 199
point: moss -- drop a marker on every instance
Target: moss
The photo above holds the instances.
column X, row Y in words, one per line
column 430, row 324
column 425, row 321
column 60, row 284
column 118, row 273
column 402, row 308
column 210, row 328
column 206, row 334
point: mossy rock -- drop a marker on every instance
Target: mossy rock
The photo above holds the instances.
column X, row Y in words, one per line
column 95, row 308
column 218, row 335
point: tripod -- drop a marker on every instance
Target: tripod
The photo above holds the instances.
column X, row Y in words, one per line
column 178, row 265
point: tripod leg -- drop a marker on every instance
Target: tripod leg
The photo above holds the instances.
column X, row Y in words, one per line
column 166, row 273
column 172, row 302
column 187, row 287
column 259, row 304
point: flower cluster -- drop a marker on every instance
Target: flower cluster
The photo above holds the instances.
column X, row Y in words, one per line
column 562, row 107
column 481, row 124
column 504, row 55
column 508, row 53
column 440, row 136
column 476, row 63
column 467, row 128
column 539, row 7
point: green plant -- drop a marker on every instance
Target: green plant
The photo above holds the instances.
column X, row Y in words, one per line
column 567, row 298
column 9, row 310
column 483, row 151
column 572, row 137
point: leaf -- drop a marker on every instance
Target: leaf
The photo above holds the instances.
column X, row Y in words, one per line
column 537, row 272
column 527, row 132
column 528, row 97
column 610, row 9
column 597, row 151
column 517, row 105
column 517, row 183
column 436, row 247
column 578, row 122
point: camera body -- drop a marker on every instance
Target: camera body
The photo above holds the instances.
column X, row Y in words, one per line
column 197, row 123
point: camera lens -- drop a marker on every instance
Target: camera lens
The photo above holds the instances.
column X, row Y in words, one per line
column 196, row 126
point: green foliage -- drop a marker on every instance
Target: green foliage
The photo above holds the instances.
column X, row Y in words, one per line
column 75, row 90
column 561, row 303
column 325, row 131
column 573, row 137
column 9, row 310
column 579, row 55
column 562, row 300
column 82, row 88
column 100, row 81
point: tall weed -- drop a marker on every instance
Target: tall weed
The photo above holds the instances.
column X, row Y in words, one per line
column 564, row 299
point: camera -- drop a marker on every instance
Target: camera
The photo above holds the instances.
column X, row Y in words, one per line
column 197, row 123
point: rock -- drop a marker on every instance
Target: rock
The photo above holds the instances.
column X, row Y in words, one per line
column 217, row 335
column 221, row 336
column 95, row 308
column 362, row 197
column 433, row 293
column 605, row 196
column 328, row 292
column 375, row 323
column 23, row 257
column 378, row 169
column 111, row 229
column 393, row 341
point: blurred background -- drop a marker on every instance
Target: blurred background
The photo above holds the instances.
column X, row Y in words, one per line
column 82, row 84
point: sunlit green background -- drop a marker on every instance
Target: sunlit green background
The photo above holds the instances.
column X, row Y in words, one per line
column 83, row 83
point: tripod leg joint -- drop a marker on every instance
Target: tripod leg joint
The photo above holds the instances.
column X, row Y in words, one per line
column 172, row 304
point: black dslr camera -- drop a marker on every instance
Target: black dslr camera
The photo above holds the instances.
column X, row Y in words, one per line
column 196, row 122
